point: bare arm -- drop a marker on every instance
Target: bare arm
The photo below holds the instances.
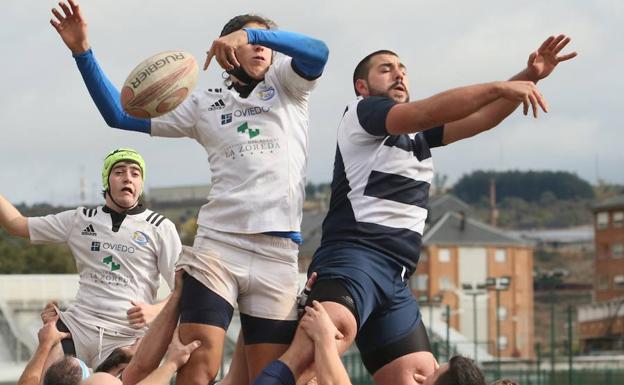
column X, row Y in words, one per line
column 12, row 220
column 154, row 344
column 541, row 63
column 49, row 337
column 143, row 314
column 177, row 355
column 320, row 328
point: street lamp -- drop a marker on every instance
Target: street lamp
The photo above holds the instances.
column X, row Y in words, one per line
column 498, row 284
column 474, row 291
column 425, row 300
column 552, row 279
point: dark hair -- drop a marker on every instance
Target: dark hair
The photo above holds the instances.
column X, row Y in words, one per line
column 117, row 357
column 63, row 372
column 238, row 22
column 461, row 371
column 363, row 67
column 504, row 381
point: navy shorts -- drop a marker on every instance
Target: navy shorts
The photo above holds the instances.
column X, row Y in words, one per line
column 387, row 313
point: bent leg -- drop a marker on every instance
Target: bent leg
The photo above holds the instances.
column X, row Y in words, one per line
column 204, row 316
column 237, row 372
column 401, row 370
column 204, row 364
column 300, row 355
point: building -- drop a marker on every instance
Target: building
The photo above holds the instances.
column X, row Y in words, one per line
column 609, row 241
column 602, row 322
column 462, row 255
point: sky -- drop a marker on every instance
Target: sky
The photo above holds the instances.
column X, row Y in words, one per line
column 52, row 137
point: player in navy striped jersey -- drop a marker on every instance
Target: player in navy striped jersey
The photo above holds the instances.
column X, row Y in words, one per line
column 372, row 233
column 120, row 250
column 255, row 134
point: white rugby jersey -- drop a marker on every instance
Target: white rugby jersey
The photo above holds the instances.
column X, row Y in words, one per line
column 118, row 258
column 381, row 183
column 257, row 150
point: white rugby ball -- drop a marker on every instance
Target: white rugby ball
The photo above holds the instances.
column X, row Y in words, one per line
column 159, row 84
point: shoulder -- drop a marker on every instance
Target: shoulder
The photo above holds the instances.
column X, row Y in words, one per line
column 155, row 219
column 88, row 212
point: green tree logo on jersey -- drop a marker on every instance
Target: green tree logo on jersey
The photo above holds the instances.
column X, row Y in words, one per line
column 250, row 131
column 109, row 261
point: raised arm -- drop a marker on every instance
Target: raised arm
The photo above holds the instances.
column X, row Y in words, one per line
column 459, row 103
column 12, row 220
column 309, row 55
column 48, row 336
column 541, row 63
column 319, row 327
column 72, row 28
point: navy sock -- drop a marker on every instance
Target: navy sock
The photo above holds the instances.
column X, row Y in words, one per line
column 277, row 373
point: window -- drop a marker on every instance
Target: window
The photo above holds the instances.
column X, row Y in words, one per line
column 419, row 282
column 602, row 220
column 618, row 281
column 603, row 282
column 445, row 283
column 617, row 250
column 618, row 219
column 444, row 255
column 502, row 313
column 500, row 255
column 502, row 342
column 422, row 282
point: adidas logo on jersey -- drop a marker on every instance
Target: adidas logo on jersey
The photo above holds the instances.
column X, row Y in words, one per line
column 89, row 231
column 218, row 105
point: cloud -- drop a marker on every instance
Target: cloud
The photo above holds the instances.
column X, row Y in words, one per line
column 52, row 134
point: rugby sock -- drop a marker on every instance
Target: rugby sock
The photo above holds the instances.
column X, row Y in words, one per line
column 277, row 373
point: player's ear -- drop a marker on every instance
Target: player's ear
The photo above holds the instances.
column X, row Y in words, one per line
column 362, row 87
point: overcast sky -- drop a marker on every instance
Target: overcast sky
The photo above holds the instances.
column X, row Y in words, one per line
column 52, row 135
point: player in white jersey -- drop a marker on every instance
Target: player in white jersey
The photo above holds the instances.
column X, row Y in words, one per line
column 255, row 134
column 372, row 232
column 120, row 250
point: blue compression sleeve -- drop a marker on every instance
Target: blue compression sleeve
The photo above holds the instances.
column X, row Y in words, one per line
column 309, row 55
column 106, row 96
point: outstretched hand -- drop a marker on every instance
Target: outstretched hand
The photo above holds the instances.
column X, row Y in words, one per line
column 224, row 50
column 525, row 92
column 543, row 61
column 71, row 26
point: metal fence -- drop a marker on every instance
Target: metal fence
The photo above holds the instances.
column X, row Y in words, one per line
column 607, row 376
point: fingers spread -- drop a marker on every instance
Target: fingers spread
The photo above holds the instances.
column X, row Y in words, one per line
column 546, row 43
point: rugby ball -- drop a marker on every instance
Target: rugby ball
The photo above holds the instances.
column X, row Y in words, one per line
column 159, row 84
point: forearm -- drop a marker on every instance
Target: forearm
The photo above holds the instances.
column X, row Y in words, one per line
column 328, row 366
column 12, row 220
column 154, row 345
column 160, row 376
column 309, row 55
column 106, row 95
column 34, row 369
column 445, row 107
column 486, row 118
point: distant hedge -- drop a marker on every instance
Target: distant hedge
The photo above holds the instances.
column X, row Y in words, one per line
column 530, row 186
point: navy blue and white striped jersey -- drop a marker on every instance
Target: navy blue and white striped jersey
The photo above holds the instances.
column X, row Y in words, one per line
column 381, row 183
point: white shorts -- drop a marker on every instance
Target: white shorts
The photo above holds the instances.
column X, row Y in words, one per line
column 257, row 271
column 93, row 343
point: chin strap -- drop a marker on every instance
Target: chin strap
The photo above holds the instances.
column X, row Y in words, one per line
column 120, row 206
column 247, row 82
